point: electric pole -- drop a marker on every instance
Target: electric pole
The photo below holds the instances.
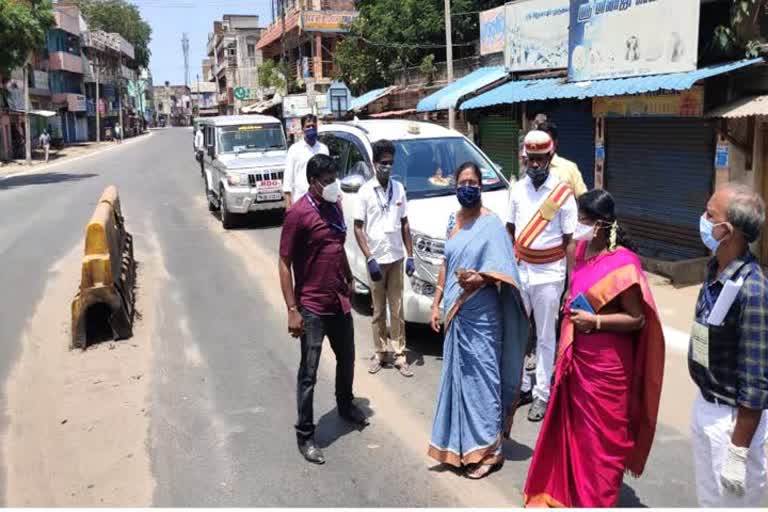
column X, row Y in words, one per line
column 97, row 102
column 449, row 58
column 282, row 42
column 27, row 130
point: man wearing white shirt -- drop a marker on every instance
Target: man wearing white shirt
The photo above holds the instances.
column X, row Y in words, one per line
column 384, row 237
column 541, row 221
column 295, row 183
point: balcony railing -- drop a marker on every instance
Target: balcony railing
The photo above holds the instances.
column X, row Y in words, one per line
column 67, row 22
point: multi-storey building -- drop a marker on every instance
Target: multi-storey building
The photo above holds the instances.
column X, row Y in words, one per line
column 172, row 104
column 234, row 61
column 308, row 31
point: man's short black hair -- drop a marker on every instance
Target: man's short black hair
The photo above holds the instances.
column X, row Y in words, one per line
column 306, row 118
column 320, row 165
column 381, row 148
column 550, row 127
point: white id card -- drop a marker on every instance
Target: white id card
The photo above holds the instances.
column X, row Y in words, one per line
column 724, row 301
column 700, row 344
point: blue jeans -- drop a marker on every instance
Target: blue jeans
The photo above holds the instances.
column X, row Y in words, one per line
column 341, row 334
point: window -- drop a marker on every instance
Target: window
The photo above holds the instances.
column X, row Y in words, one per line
column 356, row 162
column 336, row 147
column 251, row 50
column 251, row 138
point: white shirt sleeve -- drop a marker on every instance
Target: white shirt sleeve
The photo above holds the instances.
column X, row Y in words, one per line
column 289, row 176
column 569, row 216
column 512, row 210
column 361, row 206
column 323, row 149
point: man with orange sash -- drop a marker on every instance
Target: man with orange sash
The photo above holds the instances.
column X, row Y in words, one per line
column 541, row 221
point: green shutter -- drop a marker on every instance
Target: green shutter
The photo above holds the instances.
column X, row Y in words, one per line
column 499, row 140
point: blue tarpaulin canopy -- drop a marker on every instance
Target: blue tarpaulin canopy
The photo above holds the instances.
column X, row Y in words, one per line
column 557, row 88
column 450, row 95
column 366, row 99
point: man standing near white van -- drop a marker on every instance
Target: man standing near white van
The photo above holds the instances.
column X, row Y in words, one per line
column 384, row 237
column 295, row 183
column 542, row 219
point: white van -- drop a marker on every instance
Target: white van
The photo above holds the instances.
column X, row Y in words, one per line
column 243, row 164
column 426, row 156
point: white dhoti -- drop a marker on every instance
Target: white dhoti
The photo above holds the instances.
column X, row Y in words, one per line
column 711, row 429
column 544, row 300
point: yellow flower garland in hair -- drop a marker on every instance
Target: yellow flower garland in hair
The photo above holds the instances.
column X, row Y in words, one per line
column 613, row 236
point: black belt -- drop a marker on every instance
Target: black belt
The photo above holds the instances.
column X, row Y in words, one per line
column 718, row 401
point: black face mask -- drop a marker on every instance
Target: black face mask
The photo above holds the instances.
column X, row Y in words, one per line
column 538, row 176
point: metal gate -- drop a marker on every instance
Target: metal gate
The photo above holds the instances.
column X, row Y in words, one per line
column 576, row 129
column 498, row 140
column 661, row 173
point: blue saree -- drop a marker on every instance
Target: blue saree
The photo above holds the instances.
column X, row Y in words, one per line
column 484, row 347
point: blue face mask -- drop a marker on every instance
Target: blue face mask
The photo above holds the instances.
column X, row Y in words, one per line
column 468, row 196
column 310, row 135
column 707, row 237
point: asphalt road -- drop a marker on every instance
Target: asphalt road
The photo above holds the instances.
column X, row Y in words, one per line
column 223, row 365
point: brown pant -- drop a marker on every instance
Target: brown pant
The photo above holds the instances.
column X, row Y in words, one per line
column 389, row 290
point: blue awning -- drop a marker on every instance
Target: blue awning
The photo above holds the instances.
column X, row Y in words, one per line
column 366, row 99
column 557, row 88
column 450, row 95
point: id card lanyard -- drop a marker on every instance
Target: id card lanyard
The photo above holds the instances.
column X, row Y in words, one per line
column 385, row 206
column 342, row 228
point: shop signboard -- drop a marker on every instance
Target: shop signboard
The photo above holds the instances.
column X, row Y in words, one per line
column 622, row 38
column 688, row 103
column 76, row 103
column 319, row 21
column 245, row 93
column 297, row 105
column 492, row 30
column 536, row 35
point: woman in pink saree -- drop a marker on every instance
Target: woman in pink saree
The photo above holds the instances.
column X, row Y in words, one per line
column 605, row 400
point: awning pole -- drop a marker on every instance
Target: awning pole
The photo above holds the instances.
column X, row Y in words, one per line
column 449, row 58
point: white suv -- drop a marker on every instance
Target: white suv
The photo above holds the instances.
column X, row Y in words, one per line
column 426, row 156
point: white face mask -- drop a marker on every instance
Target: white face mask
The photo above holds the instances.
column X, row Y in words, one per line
column 332, row 192
column 584, row 232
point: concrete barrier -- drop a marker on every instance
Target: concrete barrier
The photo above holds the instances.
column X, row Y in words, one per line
column 106, row 295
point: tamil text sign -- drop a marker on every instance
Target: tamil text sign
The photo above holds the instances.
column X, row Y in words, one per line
column 536, row 35
column 492, row 31
column 76, row 103
column 317, row 21
column 620, row 38
column 688, row 103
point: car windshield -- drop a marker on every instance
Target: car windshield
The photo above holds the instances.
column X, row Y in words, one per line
column 426, row 166
column 251, row 137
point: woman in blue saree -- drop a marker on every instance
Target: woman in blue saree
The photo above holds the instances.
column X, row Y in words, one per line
column 485, row 338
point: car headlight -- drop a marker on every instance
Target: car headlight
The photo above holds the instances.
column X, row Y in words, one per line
column 427, row 248
column 237, row 180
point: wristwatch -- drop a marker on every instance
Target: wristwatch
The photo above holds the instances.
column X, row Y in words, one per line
column 293, row 308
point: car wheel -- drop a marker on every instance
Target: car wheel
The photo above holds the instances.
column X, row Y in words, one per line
column 227, row 220
column 209, row 196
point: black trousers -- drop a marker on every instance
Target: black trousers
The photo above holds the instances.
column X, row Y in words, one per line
column 341, row 333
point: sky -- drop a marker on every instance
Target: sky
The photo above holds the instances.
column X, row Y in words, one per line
column 171, row 18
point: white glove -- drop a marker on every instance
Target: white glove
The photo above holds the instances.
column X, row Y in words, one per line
column 734, row 472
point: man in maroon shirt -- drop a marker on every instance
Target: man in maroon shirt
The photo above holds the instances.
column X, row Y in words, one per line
column 317, row 296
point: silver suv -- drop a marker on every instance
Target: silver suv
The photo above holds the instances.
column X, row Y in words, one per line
column 243, row 165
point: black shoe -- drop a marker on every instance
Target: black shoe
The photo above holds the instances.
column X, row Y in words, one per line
column 311, row 452
column 525, row 398
column 354, row 415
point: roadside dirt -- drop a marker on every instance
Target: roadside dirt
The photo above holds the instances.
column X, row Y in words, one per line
column 79, row 421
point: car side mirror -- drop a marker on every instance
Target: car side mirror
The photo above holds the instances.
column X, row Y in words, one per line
column 352, row 183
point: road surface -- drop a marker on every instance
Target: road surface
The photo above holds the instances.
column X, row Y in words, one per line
column 212, row 367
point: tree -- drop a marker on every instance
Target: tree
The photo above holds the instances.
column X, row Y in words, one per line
column 379, row 44
column 123, row 18
column 741, row 36
column 22, row 31
column 272, row 75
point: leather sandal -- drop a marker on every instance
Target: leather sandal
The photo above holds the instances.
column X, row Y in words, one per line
column 404, row 369
column 479, row 471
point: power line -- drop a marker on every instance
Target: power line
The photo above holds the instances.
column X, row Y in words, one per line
column 406, row 45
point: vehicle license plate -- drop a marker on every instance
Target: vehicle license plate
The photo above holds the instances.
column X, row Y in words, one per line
column 274, row 196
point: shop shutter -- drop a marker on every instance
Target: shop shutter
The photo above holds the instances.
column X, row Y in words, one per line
column 576, row 137
column 499, row 140
column 661, row 173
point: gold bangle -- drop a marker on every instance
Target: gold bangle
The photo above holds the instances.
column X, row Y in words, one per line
column 597, row 328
